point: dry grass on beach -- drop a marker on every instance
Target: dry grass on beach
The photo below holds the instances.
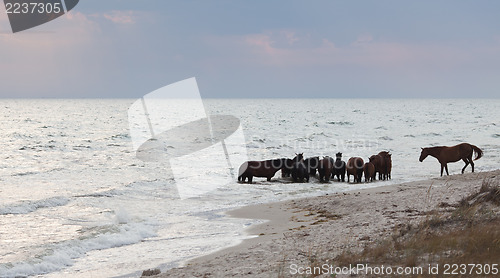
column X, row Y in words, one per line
column 462, row 233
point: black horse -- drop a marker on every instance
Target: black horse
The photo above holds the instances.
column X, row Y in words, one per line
column 264, row 169
column 339, row 167
column 299, row 172
column 312, row 164
column 286, row 170
column 299, row 169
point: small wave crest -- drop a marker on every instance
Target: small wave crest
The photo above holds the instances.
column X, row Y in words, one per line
column 340, row 123
column 25, row 207
column 63, row 254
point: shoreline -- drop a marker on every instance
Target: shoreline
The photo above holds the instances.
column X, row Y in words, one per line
column 296, row 231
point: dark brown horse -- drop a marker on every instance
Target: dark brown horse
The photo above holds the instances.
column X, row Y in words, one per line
column 312, row 164
column 355, row 167
column 380, row 166
column 388, row 163
column 369, row 170
column 452, row 154
column 325, row 169
column 264, row 169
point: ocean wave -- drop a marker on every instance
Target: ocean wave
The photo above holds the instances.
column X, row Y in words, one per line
column 25, row 207
column 120, row 136
column 387, row 138
column 24, row 173
column 63, row 254
column 104, row 194
column 340, row 123
column 37, row 147
column 432, row 134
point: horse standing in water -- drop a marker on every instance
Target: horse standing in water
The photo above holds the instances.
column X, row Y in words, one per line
column 339, row 167
column 325, row 169
column 263, row 169
column 299, row 169
column 286, row 171
column 312, row 164
column 380, row 166
column 452, row 154
column 387, row 158
column 355, row 167
column 369, row 170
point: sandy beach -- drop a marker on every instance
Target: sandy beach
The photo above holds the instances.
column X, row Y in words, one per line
column 314, row 231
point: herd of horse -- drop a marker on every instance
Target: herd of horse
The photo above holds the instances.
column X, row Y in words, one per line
column 300, row 169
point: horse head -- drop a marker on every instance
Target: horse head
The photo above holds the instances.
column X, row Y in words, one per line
column 298, row 157
column 338, row 155
column 372, row 158
column 423, row 154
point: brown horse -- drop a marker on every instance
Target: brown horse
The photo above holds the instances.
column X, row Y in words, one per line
column 265, row 169
column 380, row 166
column 369, row 170
column 452, row 154
column 388, row 163
column 325, row 169
column 355, row 167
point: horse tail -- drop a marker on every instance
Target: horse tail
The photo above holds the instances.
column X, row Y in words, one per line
column 478, row 151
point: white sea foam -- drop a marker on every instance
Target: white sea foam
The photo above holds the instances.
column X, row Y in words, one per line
column 63, row 254
column 23, row 207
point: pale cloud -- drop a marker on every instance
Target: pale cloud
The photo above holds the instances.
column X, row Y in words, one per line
column 279, row 49
column 261, row 42
column 291, row 37
column 121, row 17
column 51, row 54
column 364, row 38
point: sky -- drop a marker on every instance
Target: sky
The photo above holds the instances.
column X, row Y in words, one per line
column 258, row 49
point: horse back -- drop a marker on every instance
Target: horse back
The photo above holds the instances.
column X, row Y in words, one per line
column 259, row 168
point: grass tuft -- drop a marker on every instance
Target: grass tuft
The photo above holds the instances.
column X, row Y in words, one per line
column 150, row 272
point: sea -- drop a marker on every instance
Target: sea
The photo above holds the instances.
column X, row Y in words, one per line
column 77, row 201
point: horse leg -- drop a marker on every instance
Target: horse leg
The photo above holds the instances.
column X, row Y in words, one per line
column 446, row 168
column 250, row 179
column 442, row 168
column 269, row 178
column 466, row 163
column 472, row 165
